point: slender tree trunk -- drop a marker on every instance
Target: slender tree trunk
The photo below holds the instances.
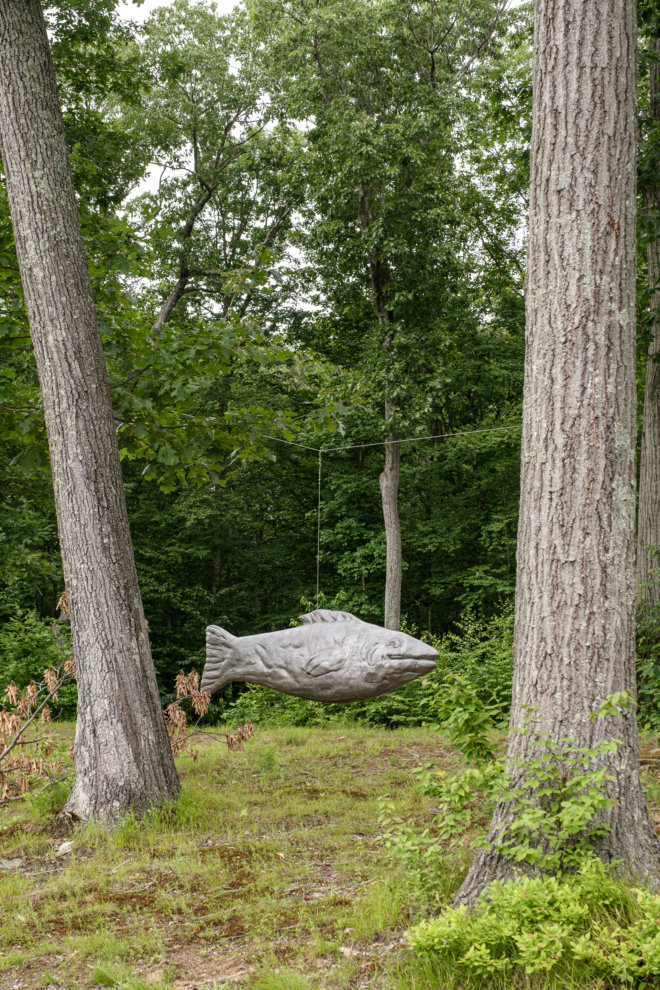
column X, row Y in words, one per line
column 389, row 479
column 648, row 519
column 389, row 490
column 123, row 758
column 575, row 595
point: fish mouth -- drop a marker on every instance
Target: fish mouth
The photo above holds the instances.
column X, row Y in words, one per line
column 424, row 661
column 422, row 665
column 401, row 669
column 415, row 666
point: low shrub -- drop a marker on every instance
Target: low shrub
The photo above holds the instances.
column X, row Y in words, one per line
column 585, row 926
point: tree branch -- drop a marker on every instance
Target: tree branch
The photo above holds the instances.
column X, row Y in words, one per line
column 467, row 65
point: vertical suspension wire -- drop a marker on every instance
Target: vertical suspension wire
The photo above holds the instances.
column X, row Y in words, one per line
column 318, row 534
column 358, row 446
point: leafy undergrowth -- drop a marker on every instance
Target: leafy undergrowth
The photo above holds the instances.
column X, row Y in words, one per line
column 269, row 874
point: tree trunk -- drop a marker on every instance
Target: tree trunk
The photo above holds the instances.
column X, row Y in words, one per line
column 123, row 758
column 648, row 518
column 575, row 595
column 389, row 490
column 379, row 275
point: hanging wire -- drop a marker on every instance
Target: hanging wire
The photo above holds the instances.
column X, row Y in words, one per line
column 385, row 443
column 291, row 443
column 356, row 446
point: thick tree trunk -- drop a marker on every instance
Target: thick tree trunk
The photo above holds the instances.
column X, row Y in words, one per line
column 575, row 595
column 648, row 519
column 123, row 758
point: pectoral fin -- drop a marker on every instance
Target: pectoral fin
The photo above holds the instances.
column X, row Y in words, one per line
column 324, row 662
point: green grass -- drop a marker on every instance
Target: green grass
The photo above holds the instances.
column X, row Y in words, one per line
column 270, row 873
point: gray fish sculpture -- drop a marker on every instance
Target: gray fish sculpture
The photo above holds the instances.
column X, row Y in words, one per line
column 333, row 656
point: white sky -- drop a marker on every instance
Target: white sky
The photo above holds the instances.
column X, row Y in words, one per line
column 131, row 11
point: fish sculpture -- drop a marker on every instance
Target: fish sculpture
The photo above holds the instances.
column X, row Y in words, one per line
column 333, row 656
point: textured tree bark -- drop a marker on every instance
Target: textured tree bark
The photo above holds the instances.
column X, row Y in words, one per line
column 575, row 595
column 123, row 758
column 648, row 517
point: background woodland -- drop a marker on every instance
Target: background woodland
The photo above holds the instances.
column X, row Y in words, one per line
column 303, row 221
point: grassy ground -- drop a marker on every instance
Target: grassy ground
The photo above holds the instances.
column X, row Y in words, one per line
column 270, row 874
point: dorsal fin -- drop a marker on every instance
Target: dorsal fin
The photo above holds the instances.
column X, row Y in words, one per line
column 327, row 615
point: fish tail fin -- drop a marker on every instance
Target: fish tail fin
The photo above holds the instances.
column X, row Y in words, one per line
column 219, row 648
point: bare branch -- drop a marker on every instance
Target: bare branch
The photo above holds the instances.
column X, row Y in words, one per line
column 469, row 63
column 169, row 305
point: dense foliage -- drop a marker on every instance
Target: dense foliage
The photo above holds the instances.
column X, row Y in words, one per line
column 235, row 289
column 585, row 927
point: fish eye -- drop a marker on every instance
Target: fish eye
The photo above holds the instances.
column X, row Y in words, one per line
column 394, row 643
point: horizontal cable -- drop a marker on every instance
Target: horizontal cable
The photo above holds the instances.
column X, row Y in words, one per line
column 384, row 443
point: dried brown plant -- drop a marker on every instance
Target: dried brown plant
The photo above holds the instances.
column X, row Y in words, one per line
column 30, row 708
column 23, row 711
column 187, row 688
column 236, row 739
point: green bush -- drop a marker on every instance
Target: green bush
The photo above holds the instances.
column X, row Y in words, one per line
column 463, row 715
column 480, row 651
column 585, row 926
column 28, row 645
column 558, row 798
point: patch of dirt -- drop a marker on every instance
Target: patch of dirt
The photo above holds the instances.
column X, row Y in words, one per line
column 131, row 899
column 63, row 827
column 234, row 927
column 23, row 828
column 240, row 879
column 194, row 971
column 40, row 866
column 227, row 853
column 327, row 885
column 404, row 756
column 78, row 923
column 24, row 977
